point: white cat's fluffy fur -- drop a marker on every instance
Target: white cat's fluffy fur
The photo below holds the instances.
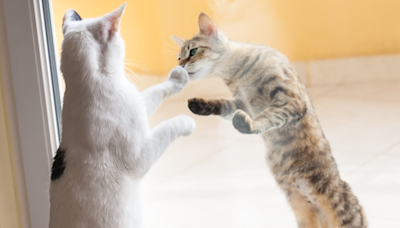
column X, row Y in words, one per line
column 106, row 138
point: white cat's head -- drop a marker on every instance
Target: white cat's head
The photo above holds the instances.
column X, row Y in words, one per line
column 92, row 47
column 199, row 54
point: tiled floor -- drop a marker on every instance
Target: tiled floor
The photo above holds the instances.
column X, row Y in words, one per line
column 218, row 178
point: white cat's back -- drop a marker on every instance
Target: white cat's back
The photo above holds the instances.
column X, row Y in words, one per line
column 95, row 177
column 97, row 200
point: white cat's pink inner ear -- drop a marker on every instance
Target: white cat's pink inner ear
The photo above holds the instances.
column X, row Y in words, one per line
column 207, row 26
column 115, row 17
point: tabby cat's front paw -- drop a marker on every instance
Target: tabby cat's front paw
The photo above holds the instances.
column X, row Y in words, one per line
column 202, row 107
column 242, row 122
column 179, row 77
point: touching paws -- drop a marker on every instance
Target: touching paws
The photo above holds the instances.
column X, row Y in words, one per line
column 242, row 122
column 187, row 124
column 202, row 107
column 179, row 77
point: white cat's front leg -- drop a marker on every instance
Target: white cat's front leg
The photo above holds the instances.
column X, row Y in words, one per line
column 155, row 95
column 162, row 136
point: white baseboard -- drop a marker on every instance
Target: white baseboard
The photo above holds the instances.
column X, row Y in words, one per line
column 311, row 73
column 349, row 70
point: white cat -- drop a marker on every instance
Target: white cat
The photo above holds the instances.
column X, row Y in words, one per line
column 106, row 145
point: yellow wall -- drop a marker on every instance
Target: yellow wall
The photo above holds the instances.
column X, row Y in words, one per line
column 315, row 29
column 146, row 27
column 9, row 211
column 302, row 30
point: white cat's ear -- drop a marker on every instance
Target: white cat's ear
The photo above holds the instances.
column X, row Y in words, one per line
column 115, row 17
column 179, row 41
column 70, row 15
column 207, row 26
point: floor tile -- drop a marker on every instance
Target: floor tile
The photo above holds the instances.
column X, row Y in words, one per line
column 377, row 91
column 394, row 150
column 359, row 125
column 242, row 158
column 377, row 185
column 383, row 222
column 316, row 92
column 285, row 220
column 248, row 201
column 183, row 154
column 219, row 178
column 348, row 160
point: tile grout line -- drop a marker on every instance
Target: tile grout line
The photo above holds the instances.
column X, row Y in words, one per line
column 374, row 157
column 322, row 95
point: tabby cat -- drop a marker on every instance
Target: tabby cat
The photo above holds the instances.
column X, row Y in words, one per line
column 270, row 100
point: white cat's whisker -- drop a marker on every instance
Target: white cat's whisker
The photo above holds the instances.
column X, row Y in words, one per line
column 134, row 74
column 143, row 68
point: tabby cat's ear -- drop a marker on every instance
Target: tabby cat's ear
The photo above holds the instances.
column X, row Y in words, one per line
column 115, row 17
column 207, row 26
column 179, row 41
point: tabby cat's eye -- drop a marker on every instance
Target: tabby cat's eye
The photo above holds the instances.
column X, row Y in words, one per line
column 193, row 51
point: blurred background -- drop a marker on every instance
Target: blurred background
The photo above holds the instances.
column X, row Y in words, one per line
column 347, row 53
column 302, row 30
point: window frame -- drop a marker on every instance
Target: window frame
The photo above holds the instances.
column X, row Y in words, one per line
column 29, row 94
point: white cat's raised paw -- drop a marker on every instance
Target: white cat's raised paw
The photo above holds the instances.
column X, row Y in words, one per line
column 187, row 124
column 179, row 76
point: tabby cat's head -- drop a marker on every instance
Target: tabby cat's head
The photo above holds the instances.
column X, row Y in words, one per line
column 199, row 55
column 91, row 46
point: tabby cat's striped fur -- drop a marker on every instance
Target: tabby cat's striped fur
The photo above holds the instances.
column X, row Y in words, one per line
column 270, row 100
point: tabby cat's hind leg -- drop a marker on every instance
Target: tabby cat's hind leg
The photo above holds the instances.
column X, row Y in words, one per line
column 306, row 215
column 342, row 208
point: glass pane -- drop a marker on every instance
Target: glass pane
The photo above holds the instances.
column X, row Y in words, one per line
column 197, row 176
column 52, row 57
column 219, row 177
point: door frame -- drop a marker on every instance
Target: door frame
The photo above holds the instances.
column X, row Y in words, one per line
column 30, row 105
